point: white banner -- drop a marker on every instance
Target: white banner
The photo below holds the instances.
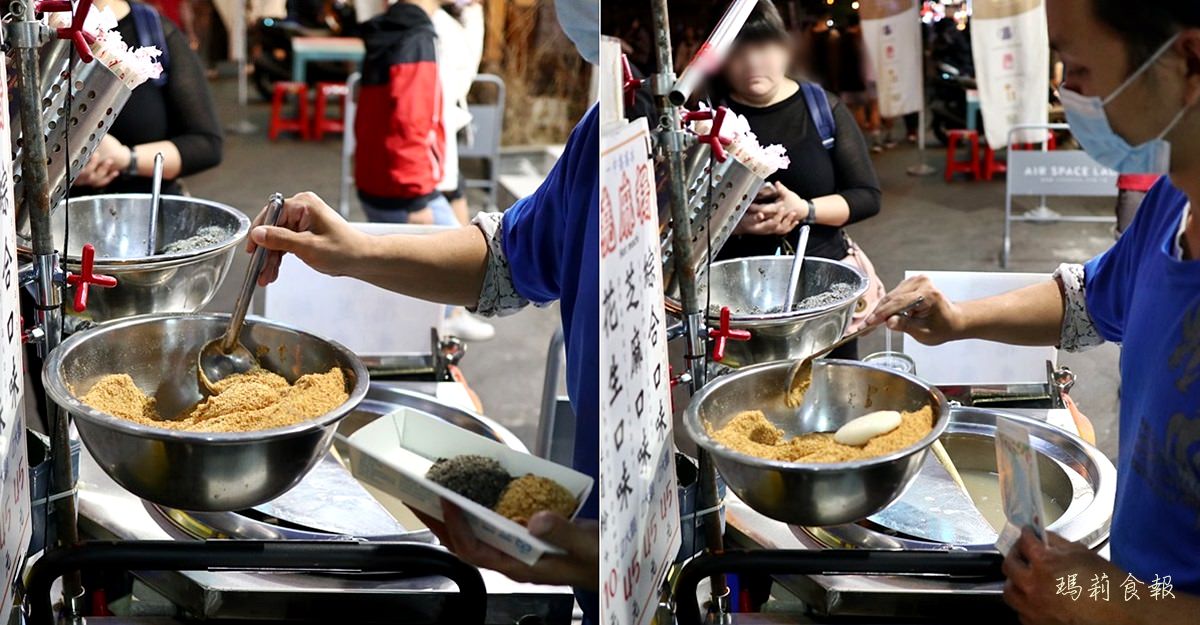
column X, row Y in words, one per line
column 1011, row 48
column 639, row 503
column 15, row 522
column 892, row 32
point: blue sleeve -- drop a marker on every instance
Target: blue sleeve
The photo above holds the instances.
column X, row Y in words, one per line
column 1108, row 278
column 534, row 227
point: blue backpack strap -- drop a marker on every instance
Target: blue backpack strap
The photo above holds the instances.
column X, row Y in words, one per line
column 822, row 115
column 150, row 33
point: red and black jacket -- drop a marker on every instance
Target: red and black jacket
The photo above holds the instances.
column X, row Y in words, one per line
column 399, row 134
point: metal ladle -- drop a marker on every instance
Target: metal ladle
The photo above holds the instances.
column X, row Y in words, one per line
column 155, row 201
column 799, row 376
column 797, row 263
column 226, row 356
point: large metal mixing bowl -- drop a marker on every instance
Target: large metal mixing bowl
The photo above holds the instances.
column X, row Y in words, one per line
column 206, row 472
column 815, row 494
column 118, row 226
column 754, row 289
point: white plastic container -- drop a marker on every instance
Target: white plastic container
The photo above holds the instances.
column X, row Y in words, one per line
column 394, row 452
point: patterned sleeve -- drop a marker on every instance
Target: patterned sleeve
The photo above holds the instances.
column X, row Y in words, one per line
column 498, row 296
column 1078, row 330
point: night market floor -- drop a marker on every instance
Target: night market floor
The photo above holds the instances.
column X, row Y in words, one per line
column 925, row 223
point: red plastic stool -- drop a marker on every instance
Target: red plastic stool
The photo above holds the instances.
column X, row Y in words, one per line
column 321, row 123
column 992, row 165
column 279, row 123
column 955, row 166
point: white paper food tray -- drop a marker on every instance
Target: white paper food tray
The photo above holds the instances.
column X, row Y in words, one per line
column 394, row 452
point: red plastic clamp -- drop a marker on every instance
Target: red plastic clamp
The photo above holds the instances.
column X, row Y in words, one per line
column 629, row 83
column 724, row 334
column 713, row 138
column 81, row 38
column 86, row 277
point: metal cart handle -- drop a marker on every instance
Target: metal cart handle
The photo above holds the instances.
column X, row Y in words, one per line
column 826, row 562
column 403, row 559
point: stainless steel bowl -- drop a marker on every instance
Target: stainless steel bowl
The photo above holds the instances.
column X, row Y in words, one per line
column 118, row 226
column 754, row 289
column 815, row 494
column 207, row 472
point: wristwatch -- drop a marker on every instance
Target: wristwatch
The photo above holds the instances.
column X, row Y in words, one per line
column 811, row 217
column 132, row 170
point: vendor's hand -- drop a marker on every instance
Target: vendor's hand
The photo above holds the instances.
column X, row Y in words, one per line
column 312, row 231
column 1034, row 571
column 578, row 567
column 936, row 321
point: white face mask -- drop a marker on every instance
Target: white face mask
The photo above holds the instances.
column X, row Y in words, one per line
column 1089, row 124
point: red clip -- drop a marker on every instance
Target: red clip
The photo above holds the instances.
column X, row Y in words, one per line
column 725, row 333
column 86, row 277
column 81, row 38
column 713, row 138
column 629, row 83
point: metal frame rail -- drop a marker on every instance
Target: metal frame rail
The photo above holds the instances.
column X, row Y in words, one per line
column 402, row 559
column 983, row 565
column 1010, row 192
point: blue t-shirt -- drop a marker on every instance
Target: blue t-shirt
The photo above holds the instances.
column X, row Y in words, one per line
column 1141, row 295
column 552, row 242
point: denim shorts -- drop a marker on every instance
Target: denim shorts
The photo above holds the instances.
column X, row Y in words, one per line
column 443, row 214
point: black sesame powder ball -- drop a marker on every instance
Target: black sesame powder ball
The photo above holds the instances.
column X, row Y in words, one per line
column 477, row 478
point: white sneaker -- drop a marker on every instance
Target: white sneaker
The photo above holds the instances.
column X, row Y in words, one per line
column 468, row 327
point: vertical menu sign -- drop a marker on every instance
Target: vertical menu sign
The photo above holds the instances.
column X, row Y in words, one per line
column 639, row 507
column 15, row 521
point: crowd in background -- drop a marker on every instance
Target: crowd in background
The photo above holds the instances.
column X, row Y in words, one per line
column 828, row 49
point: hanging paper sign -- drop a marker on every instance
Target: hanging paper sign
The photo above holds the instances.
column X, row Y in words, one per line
column 639, row 518
column 1011, row 48
column 15, row 522
column 892, row 32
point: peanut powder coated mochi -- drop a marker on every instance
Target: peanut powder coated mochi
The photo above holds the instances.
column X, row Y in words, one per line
column 530, row 494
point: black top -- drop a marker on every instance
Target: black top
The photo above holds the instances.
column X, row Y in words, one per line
column 181, row 110
column 814, row 172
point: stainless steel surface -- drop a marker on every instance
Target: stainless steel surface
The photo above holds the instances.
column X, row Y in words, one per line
column 810, row 493
column 801, row 370
column 190, row 470
column 111, row 512
column 797, row 265
column 155, row 198
column 754, row 289
column 225, row 356
column 1074, row 473
column 731, row 187
column 936, row 508
column 927, row 598
column 330, row 500
column 73, row 115
column 116, row 225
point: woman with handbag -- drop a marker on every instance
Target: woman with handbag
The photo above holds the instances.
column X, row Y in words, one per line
column 830, row 183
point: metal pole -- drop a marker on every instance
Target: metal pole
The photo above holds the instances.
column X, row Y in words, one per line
column 712, row 53
column 243, row 125
column 28, row 35
column 673, row 143
column 922, row 168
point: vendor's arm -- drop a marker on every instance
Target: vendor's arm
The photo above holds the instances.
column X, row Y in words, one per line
column 1029, row 316
column 447, row 267
column 1034, row 570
